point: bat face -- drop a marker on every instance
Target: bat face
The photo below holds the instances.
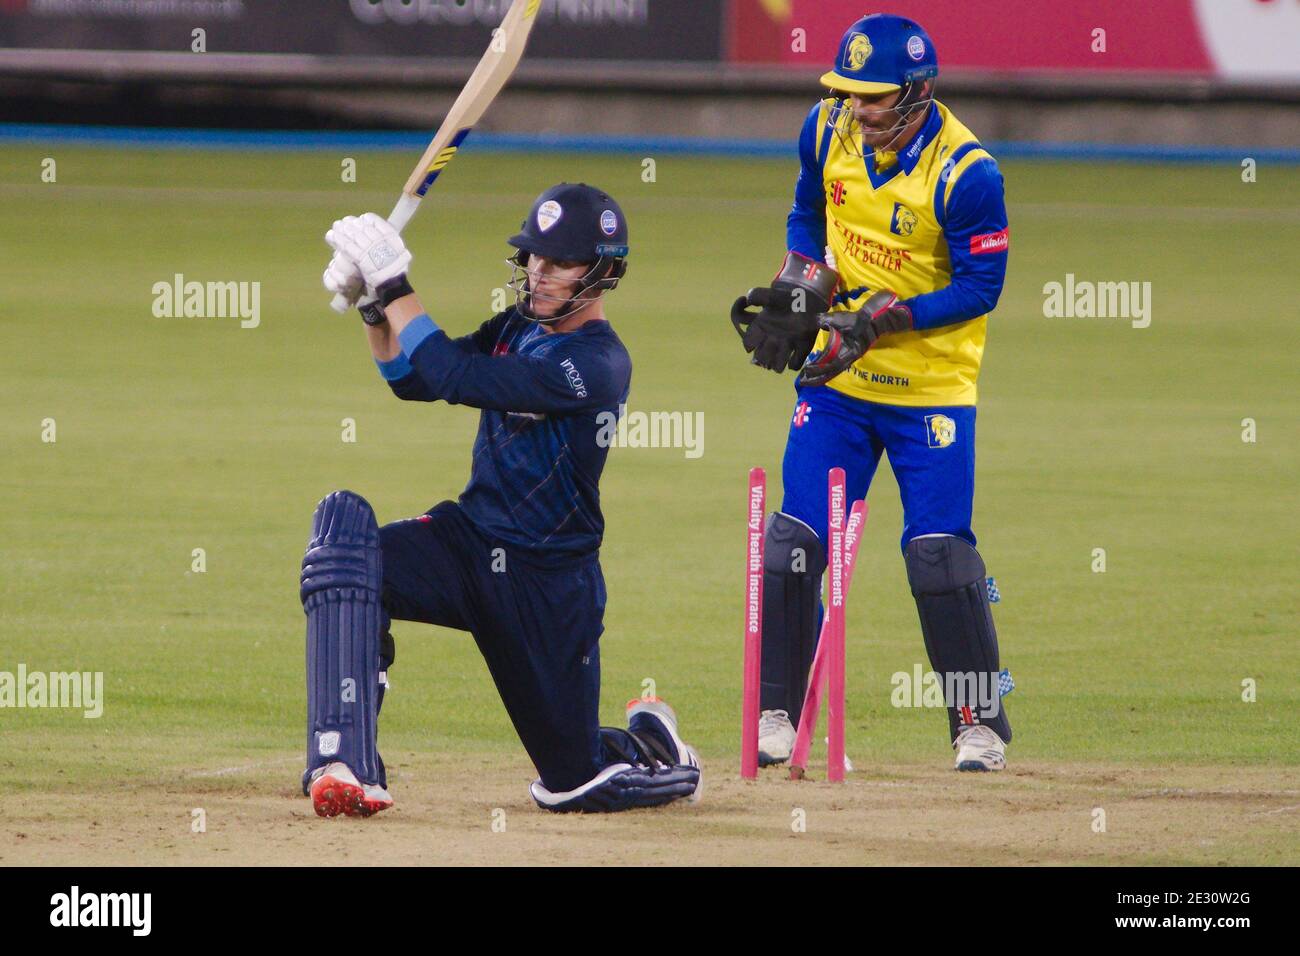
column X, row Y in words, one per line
column 493, row 71
column 487, row 80
column 442, row 159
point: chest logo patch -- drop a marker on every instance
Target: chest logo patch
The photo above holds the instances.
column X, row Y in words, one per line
column 903, row 222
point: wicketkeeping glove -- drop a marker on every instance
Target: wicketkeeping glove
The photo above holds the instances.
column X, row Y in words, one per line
column 852, row 333
column 782, row 333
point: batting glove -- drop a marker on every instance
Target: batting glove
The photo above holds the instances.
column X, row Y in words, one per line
column 374, row 245
column 343, row 277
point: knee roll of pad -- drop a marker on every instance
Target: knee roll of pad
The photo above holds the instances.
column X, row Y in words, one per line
column 340, row 587
column 947, row 577
column 793, row 563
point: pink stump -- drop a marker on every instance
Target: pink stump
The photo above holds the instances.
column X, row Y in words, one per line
column 757, row 503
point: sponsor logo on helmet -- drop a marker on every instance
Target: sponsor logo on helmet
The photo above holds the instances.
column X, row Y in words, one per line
column 915, row 47
column 608, row 222
column 548, row 214
column 857, row 52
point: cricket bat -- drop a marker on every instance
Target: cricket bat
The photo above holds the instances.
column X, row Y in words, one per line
column 493, row 71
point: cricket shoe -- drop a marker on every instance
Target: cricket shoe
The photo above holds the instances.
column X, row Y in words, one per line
column 653, row 716
column 776, row 736
column 980, row 748
column 335, row 789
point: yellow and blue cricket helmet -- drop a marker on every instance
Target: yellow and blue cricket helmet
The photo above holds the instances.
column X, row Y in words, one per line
column 882, row 53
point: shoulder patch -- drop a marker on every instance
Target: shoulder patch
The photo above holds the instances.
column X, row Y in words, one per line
column 990, row 242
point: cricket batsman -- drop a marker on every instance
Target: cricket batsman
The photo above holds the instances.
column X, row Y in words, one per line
column 897, row 253
column 515, row 560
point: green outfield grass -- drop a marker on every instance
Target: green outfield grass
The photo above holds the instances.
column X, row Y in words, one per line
column 176, row 434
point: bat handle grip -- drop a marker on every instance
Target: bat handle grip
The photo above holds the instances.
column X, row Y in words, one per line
column 403, row 211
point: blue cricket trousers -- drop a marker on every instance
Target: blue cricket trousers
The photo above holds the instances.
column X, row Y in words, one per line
column 536, row 624
column 931, row 451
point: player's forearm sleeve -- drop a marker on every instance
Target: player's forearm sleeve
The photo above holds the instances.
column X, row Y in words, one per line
column 408, row 385
column 978, row 239
column 561, row 383
column 805, row 227
column 401, row 378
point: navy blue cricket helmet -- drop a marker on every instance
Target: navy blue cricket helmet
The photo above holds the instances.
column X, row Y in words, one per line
column 572, row 222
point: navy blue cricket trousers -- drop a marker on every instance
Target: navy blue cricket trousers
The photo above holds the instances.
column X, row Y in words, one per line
column 536, row 624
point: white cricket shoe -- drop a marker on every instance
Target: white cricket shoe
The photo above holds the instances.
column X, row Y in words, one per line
column 980, row 748
column 335, row 789
column 776, row 737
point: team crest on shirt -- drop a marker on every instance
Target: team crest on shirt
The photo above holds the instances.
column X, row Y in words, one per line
column 903, row 222
column 858, row 52
column 940, row 431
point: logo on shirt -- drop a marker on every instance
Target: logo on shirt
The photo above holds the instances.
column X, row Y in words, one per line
column 903, row 222
column 838, row 193
column 989, row 242
column 941, row 431
column 857, row 53
column 802, row 412
column 575, row 378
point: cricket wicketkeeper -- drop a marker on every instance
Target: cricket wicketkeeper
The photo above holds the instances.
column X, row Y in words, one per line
column 897, row 253
column 515, row 560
